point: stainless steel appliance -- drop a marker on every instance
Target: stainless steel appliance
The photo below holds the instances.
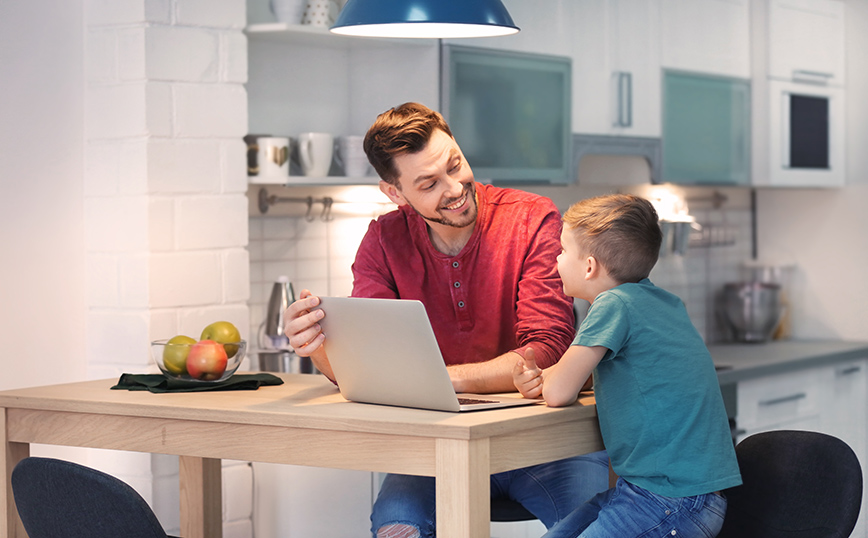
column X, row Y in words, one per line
column 274, row 353
column 752, row 309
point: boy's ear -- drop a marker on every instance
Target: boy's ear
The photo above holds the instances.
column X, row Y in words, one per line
column 392, row 192
column 592, row 268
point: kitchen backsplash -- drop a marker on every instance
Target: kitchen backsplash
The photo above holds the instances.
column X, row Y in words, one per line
column 317, row 255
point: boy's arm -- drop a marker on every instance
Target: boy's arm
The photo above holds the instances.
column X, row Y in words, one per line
column 562, row 382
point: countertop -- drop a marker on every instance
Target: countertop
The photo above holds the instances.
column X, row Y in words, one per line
column 738, row 362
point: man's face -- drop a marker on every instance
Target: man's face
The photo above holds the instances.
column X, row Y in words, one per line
column 437, row 183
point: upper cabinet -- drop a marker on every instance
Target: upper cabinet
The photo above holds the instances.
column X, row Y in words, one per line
column 806, row 41
column 616, row 68
column 706, row 36
column 798, row 94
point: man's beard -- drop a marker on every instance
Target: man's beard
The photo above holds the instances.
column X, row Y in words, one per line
column 466, row 218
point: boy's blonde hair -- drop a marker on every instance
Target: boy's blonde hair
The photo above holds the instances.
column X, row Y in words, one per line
column 620, row 230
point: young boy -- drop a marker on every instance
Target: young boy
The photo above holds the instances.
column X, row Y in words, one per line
column 658, row 401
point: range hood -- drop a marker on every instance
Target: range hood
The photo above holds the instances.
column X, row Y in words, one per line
column 648, row 148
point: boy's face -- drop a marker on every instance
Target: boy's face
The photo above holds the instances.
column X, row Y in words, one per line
column 572, row 266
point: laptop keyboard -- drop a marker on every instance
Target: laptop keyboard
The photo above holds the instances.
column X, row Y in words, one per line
column 469, row 401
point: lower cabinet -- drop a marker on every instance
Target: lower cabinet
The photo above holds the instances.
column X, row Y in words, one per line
column 296, row 501
column 829, row 399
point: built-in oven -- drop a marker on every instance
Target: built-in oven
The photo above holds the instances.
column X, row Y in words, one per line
column 806, row 134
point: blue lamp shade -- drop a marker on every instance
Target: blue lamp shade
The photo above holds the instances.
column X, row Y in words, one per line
column 424, row 19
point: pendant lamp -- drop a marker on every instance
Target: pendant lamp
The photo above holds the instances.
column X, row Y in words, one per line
column 424, row 19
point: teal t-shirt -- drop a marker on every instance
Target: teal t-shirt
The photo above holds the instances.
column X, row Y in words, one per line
column 658, row 400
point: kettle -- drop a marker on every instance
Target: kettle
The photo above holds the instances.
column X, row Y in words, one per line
column 282, row 295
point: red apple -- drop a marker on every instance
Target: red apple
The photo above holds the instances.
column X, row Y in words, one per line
column 206, row 360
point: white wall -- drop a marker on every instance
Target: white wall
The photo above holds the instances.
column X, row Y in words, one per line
column 825, row 232
column 42, row 283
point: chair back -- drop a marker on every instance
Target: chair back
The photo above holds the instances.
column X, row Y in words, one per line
column 795, row 484
column 60, row 499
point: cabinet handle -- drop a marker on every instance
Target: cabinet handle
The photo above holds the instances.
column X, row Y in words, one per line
column 850, row 370
column 625, row 100
column 784, row 399
column 812, row 77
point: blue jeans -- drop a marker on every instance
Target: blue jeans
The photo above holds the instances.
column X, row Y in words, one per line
column 549, row 491
column 628, row 511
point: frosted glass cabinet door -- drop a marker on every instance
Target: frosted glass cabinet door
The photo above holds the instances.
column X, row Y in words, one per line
column 706, row 130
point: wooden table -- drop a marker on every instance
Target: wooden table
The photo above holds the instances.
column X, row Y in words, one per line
column 305, row 421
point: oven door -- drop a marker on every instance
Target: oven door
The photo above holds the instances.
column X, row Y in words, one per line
column 806, row 146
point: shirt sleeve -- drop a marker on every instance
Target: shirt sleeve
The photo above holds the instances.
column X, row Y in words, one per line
column 606, row 325
column 545, row 314
column 372, row 277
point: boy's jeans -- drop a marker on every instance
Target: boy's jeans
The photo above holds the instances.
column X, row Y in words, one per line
column 628, row 511
column 550, row 491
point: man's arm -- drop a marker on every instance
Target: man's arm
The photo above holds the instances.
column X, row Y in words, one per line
column 494, row 375
column 545, row 314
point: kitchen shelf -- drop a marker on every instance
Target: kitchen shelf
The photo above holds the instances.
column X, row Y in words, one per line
column 303, row 34
column 326, row 181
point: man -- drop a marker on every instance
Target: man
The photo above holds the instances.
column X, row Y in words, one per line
column 482, row 260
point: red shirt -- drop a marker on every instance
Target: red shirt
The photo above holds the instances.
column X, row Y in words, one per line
column 500, row 293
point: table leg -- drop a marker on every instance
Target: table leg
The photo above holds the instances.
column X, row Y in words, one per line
column 463, row 488
column 201, row 482
column 10, row 523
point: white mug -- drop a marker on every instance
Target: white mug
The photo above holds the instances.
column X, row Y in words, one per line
column 322, row 13
column 272, row 159
column 289, row 11
column 351, row 156
column 315, row 152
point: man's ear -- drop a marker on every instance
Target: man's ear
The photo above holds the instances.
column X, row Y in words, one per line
column 392, row 192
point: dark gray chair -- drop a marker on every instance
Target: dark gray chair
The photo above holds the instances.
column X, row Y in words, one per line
column 60, row 499
column 796, row 484
column 505, row 510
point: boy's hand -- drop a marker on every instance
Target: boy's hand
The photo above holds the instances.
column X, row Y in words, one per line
column 527, row 376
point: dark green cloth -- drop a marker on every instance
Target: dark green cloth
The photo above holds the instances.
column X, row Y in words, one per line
column 161, row 383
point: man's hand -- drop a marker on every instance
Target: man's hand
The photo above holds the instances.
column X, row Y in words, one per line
column 527, row 376
column 305, row 333
column 302, row 325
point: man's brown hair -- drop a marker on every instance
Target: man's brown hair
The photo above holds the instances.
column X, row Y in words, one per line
column 620, row 230
column 400, row 130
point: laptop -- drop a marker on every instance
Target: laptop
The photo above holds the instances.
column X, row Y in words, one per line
column 383, row 351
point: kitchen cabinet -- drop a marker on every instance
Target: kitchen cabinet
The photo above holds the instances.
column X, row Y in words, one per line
column 845, row 415
column 614, row 49
column 806, row 40
column 291, row 500
column 616, row 68
column 706, row 36
column 779, row 402
column 828, row 399
column 706, row 129
column 799, row 131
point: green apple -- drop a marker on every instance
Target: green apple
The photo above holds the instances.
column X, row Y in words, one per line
column 175, row 354
column 206, row 360
column 225, row 333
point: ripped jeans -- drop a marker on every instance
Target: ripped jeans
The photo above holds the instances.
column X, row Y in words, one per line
column 549, row 491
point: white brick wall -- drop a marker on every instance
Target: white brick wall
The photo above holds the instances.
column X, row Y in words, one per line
column 166, row 224
column 316, row 255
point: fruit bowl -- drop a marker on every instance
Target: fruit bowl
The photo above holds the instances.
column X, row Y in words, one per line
column 205, row 361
